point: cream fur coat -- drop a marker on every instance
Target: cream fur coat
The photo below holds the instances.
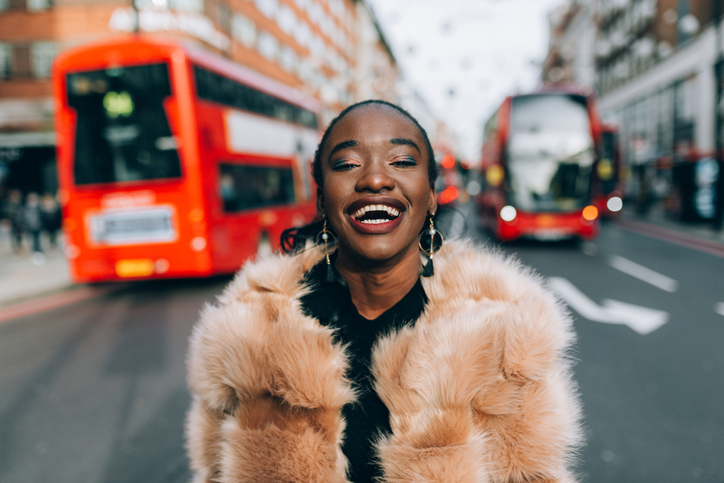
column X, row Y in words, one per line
column 479, row 389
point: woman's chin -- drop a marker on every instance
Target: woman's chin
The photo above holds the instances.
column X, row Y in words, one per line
column 376, row 251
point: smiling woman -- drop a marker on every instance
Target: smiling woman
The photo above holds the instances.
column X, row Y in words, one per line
column 350, row 359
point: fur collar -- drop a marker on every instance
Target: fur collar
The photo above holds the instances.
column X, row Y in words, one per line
column 479, row 389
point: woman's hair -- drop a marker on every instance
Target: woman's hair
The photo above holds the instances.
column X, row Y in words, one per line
column 293, row 239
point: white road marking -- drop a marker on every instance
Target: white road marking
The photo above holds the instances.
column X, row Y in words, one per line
column 642, row 273
column 640, row 319
column 719, row 308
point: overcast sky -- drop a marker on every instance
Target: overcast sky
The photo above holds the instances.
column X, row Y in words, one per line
column 465, row 56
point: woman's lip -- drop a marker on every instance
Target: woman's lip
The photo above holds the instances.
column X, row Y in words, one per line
column 376, row 200
column 375, row 228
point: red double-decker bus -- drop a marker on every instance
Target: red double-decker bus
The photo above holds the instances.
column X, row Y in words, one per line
column 174, row 162
column 539, row 154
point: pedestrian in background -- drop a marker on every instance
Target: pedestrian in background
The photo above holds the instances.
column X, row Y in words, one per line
column 14, row 214
column 354, row 358
column 33, row 220
column 51, row 218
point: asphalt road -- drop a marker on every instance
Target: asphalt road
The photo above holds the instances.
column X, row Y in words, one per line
column 95, row 391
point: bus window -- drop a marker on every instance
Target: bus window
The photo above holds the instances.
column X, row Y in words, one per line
column 213, row 87
column 550, row 153
column 246, row 187
column 122, row 133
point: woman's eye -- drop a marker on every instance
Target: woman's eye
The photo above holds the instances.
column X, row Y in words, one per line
column 343, row 166
column 404, row 162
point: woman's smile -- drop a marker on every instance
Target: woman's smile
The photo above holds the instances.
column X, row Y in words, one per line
column 376, row 214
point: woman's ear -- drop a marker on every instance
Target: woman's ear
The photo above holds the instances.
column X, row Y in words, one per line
column 432, row 201
column 320, row 203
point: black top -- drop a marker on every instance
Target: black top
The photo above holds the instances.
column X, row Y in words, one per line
column 368, row 418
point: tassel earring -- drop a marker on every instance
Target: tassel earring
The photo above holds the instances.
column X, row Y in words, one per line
column 327, row 244
column 430, row 241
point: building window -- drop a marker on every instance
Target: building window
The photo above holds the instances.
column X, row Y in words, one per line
column 267, row 7
column 287, row 20
column 20, row 65
column 41, row 56
column 289, row 60
column 243, row 30
column 38, row 5
column 5, row 53
column 268, row 46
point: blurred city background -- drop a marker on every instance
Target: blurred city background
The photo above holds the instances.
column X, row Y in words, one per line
column 148, row 148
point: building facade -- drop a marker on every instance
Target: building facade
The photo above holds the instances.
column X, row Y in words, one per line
column 655, row 65
column 331, row 49
column 571, row 47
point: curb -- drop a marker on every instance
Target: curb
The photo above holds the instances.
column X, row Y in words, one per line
column 655, row 231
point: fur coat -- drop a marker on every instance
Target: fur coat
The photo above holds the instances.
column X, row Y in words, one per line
column 479, row 389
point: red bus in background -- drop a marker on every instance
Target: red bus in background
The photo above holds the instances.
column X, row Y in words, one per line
column 448, row 183
column 539, row 154
column 174, row 162
column 609, row 179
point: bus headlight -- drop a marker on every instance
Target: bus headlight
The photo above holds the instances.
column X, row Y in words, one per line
column 614, row 204
column 508, row 213
column 590, row 213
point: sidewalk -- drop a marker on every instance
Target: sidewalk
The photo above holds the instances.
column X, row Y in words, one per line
column 700, row 236
column 22, row 280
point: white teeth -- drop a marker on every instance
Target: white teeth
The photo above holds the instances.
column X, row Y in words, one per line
column 390, row 210
column 374, row 222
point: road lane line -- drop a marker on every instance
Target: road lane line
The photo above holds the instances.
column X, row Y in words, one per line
column 720, row 308
column 642, row 273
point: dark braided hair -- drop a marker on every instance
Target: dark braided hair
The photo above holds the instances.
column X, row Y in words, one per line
column 293, row 239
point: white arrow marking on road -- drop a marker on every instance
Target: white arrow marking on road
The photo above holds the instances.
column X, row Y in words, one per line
column 640, row 319
column 642, row 273
column 720, row 308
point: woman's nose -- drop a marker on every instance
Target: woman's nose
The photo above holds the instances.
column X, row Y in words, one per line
column 375, row 178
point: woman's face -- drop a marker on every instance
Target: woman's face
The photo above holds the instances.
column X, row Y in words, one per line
column 376, row 192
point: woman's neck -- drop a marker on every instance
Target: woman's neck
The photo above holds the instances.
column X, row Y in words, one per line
column 375, row 288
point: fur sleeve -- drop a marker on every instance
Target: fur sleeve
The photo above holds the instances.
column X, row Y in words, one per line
column 267, row 385
column 484, row 382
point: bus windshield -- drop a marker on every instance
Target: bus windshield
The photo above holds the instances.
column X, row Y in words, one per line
column 550, row 153
column 122, row 132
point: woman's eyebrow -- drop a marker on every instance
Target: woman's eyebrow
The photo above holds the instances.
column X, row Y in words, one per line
column 343, row 145
column 403, row 141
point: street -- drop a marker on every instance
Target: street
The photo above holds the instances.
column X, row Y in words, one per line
column 95, row 391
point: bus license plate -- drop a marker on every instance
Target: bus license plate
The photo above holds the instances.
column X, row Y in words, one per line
column 550, row 235
column 132, row 227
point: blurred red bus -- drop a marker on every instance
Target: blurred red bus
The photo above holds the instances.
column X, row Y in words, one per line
column 538, row 156
column 174, row 162
column 608, row 187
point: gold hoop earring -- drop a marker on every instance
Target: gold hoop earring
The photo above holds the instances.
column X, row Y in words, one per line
column 430, row 242
column 327, row 244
